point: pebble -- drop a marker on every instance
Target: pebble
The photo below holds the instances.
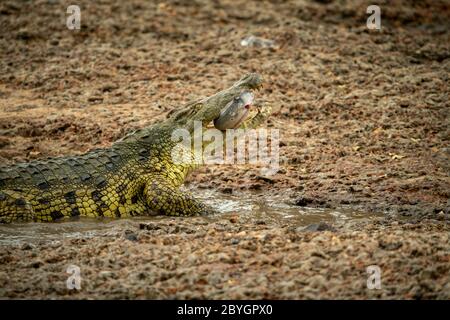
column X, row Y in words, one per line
column 130, row 235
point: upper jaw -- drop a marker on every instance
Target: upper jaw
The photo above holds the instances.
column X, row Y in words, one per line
column 212, row 106
column 252, row 81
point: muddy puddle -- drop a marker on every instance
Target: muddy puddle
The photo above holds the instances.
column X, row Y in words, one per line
column 249, row 208
column 274, row 209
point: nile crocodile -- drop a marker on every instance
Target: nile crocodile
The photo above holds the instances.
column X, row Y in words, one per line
column 135, row 176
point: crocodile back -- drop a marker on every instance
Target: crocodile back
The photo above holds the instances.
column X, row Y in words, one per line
column 98, row 183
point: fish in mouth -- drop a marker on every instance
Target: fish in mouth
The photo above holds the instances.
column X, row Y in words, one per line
column 235, row 112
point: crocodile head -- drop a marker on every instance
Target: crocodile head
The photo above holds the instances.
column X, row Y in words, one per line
column 227, row 108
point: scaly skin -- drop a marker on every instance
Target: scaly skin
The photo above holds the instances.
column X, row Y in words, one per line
column 135, row 176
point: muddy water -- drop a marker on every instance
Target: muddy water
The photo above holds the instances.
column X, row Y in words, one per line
column 273, row 209
column 250, row 208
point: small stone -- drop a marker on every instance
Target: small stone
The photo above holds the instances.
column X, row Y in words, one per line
column 253, row 41
column 303, row 201
column 95, row 99
column 130, row 235
column 149, row 226
column 227, row 190
column 108, row 87
column 172, row 77
column 55, row 244
column 235, row 241
column 234, row 219
column 36, row 264
column 26, row 246
column 24, row 34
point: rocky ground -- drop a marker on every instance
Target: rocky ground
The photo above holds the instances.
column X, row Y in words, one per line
column 191, row 258
column 363, row 117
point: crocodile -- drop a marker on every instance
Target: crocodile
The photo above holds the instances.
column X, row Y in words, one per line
column 135, row 176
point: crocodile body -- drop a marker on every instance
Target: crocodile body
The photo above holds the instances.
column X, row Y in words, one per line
column 135, row 176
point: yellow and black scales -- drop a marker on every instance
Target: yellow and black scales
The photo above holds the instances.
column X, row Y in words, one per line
column 136, row 176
